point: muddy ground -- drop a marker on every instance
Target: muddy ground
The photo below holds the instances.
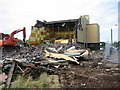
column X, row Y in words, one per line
column 88, row 77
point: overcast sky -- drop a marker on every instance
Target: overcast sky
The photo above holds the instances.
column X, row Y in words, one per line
column 15, row 14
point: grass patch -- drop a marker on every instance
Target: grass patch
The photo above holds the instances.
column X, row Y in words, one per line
column 45, row 81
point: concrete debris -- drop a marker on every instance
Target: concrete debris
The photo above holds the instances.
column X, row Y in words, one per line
column 71, row 48
column 59, row 56
column 117, row 75
column 32, row 58
column 75, row 53
column 52, row 50
column 60, row 49
column 52, row 59
column 3, row 77
column 85, row 54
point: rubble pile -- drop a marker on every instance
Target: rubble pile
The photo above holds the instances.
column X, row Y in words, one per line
column 71, row 63
column 46, row 53
column 35, row 59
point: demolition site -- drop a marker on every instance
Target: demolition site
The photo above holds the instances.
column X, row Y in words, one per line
column 58, row 54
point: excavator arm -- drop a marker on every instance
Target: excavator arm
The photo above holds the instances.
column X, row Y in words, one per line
column 17, row 31
column 9, row 40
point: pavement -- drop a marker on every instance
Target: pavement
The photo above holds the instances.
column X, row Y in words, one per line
column 113, row 57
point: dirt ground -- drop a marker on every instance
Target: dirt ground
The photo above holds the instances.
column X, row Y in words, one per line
column 88, row 77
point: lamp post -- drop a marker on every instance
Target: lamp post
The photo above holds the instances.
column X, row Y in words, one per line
column 112, row 39
column 112, row 35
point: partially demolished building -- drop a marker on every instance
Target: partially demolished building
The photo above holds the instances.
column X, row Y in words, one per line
column 79, row 30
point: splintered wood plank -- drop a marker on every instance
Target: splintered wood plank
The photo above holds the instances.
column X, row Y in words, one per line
column 10, row 75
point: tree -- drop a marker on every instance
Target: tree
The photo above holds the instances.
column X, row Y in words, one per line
column 116, row 44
